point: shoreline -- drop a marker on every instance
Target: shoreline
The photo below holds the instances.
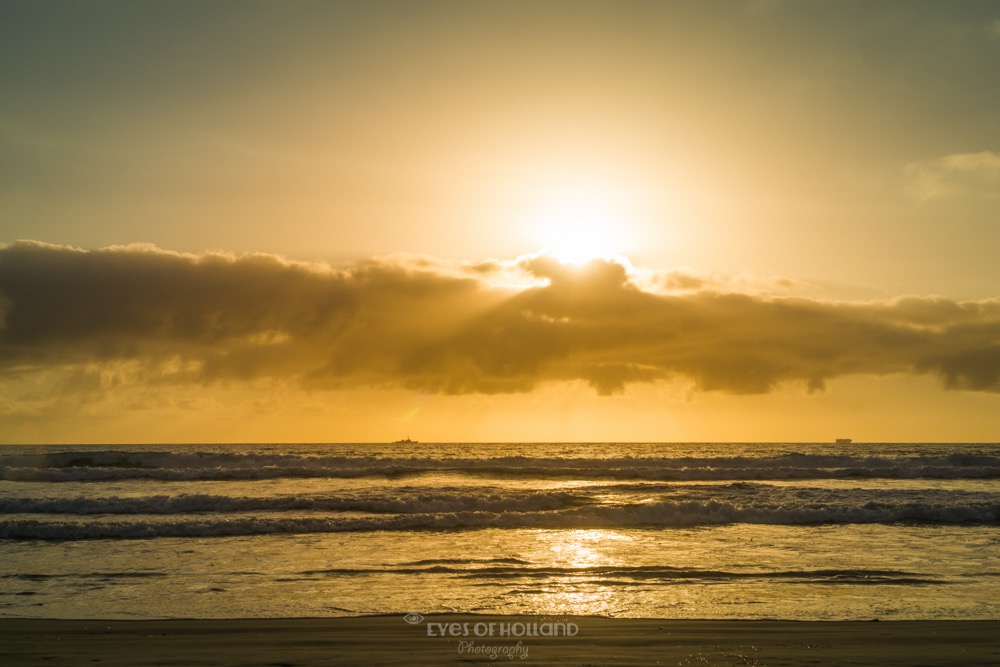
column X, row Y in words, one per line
column 444, row 639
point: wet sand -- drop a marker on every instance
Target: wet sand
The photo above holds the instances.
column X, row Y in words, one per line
column 471, row 639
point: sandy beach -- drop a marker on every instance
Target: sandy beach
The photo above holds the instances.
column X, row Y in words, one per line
column 471, row 639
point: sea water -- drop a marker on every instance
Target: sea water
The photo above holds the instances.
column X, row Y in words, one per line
column 721, row 530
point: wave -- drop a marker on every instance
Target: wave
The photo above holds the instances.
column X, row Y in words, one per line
column 513, row 569
column 436, row 500
column 609, row 574
column 650, row 515
column 407, row 503
column 460, row 561
column 443, row 499
column 77, row 466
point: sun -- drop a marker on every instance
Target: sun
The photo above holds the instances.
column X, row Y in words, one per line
column 580, row 220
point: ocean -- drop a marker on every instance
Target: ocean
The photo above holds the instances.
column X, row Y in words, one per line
column 709, row 531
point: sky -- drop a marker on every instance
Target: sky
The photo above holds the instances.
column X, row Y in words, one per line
column 732, row 220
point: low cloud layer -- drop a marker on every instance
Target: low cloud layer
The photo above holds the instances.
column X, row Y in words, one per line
column 425, row 325
column 960, row 174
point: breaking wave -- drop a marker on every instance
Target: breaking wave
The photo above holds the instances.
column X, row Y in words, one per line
column 144, row 492
column 81, row 466
column 197, row 502
column 651, row 515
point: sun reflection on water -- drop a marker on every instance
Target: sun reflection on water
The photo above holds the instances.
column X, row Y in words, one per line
column 587, row 548
column 580, row 555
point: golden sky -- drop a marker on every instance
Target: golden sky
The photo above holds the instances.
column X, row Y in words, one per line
column 358, row 221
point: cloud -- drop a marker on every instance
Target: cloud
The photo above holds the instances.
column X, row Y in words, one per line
column 685, row 280
column 140, row 317
column 960, row 174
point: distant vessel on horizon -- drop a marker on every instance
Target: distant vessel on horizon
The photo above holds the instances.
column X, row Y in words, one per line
column 844, row 441
column 404, row 441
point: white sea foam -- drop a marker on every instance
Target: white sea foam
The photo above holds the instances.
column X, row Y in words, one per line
column 644, row 491
column 408, row 502
column 653, row 515
column 678, row 531
column 77, row 466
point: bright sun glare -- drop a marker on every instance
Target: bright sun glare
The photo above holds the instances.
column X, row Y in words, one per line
column 580, row 221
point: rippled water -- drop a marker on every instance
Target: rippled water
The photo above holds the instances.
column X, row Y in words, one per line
column 687, row 531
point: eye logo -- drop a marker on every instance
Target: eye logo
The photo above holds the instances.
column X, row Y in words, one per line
column 413, row 619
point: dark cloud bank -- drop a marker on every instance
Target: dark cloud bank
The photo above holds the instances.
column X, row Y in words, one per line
column 441, row 328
